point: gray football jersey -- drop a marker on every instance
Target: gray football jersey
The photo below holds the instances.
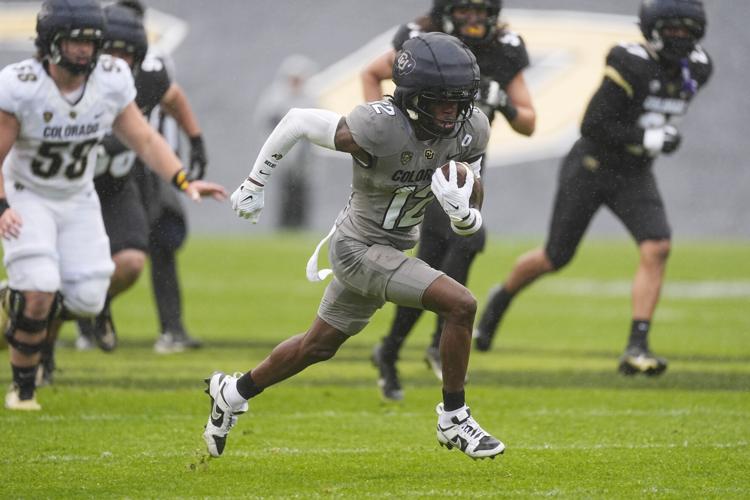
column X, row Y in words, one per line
column 390, row 192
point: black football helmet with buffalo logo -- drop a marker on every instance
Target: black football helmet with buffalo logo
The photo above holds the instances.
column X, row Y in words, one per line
column 435, row 67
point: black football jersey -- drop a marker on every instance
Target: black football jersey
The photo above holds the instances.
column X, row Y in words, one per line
column 114, row 160
column 638, row 93
column 500, row 59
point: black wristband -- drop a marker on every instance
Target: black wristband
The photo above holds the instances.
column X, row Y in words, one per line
column 196, row 141
column 3, row 205
column 508, row 111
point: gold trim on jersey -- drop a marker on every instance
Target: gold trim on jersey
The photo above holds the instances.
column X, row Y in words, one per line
column 616, row 77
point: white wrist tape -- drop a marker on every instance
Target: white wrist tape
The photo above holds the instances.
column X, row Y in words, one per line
column 316, row 125
column 469, row 225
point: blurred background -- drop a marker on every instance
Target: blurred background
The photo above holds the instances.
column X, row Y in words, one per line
column 229, row 53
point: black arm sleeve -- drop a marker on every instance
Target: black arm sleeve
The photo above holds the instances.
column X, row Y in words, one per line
column 603, row 121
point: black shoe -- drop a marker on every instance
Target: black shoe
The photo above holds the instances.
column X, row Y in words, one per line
column 170, row 343
column 640, row 360
column 489, row 321
column 390, row 385
column 187, row 341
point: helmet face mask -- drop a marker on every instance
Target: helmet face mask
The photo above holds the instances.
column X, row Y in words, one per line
column 428, row 105
column 77, row 20
column 473, row 21
column 60, row 56
column 437, row 79
column 672, row 27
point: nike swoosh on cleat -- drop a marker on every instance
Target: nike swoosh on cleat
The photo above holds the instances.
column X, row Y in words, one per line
column 462, row 443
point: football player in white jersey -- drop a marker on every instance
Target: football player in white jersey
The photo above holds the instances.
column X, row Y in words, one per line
column 54, row 109
column 396, row 146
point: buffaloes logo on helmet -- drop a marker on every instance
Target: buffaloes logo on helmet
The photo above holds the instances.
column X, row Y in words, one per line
column 405, row 63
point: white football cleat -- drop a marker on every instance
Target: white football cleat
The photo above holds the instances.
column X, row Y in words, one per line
column 222, row 417
column 13, row 401
column 463, row 432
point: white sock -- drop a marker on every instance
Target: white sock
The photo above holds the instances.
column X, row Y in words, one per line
column 232, row 396
column 446, row 416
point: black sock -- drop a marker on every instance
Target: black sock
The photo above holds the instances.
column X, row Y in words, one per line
column 25, row 379
column 497, row 304
column 246, row 386
column 453, row 400
column 405, row 319
column 639, row 333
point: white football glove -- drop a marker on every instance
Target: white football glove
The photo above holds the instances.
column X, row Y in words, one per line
column 453, row 199
column 664, row 139
column 247, row 201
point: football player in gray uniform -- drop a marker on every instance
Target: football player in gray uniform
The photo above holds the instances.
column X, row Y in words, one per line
column 396, row 146
column 502, row 57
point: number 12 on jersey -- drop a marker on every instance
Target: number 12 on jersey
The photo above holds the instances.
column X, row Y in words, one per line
column 396, row 217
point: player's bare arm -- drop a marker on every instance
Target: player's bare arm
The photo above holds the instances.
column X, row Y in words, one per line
column 378, row 70
column 525, row 121
column 133, row 130
column 10, row 221
column 175, row 103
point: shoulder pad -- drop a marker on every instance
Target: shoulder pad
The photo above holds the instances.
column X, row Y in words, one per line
column 628, row 62
column 476, row 134
column 628, row 55
column 510, row 39
column 701, row 65
column 110, row 68
column 19, row 82
column 404, row 33
column 115, row 79
column 378, row 127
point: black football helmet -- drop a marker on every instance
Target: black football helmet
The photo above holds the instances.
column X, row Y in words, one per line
column 125, row 32
column 442, row 16
column 657, row 15
column 69, row 19
column 435, row 67
column 135, row 5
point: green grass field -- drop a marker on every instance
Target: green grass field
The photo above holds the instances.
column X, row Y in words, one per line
column 129, row 424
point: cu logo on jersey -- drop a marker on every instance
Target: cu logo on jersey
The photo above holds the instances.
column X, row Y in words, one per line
column 405, row 63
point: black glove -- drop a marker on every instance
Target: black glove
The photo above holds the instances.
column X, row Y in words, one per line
column 198, row 160
column 672, row 139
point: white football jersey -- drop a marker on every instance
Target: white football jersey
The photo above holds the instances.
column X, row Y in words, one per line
column 54, row 153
